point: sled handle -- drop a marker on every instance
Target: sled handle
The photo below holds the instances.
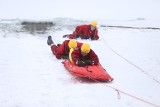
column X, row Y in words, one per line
column 88, row 69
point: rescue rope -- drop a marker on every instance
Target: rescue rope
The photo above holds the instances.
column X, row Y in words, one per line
column 119, row 91
column 132, row 96
column 128, row 27
column 131, row 62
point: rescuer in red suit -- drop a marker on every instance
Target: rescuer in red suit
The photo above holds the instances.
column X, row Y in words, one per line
column 85, row 32
column 62, row 50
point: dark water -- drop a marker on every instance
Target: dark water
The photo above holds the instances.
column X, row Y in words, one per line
column 37, row 27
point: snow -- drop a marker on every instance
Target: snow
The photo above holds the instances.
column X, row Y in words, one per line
column 31, row 76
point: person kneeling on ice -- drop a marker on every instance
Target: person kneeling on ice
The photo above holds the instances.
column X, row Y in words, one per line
column 62, row 50
column 83, row 56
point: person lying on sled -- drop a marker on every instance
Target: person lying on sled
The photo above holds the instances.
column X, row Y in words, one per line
column 62, row 50
column 85, row 32
column 83, row 56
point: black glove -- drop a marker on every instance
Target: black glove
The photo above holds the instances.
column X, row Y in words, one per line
column 77, row 36
column 58, row 45
column 81, row 63
column 88, row 62
column 64, row 36
column 92, row 38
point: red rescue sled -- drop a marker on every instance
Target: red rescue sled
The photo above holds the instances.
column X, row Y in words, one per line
column 96, row 72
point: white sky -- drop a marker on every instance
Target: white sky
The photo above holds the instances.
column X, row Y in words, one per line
column 86, row 9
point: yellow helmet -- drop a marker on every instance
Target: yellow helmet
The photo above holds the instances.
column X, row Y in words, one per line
column 94, row 23
column 72, row 43
column 85, row 48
